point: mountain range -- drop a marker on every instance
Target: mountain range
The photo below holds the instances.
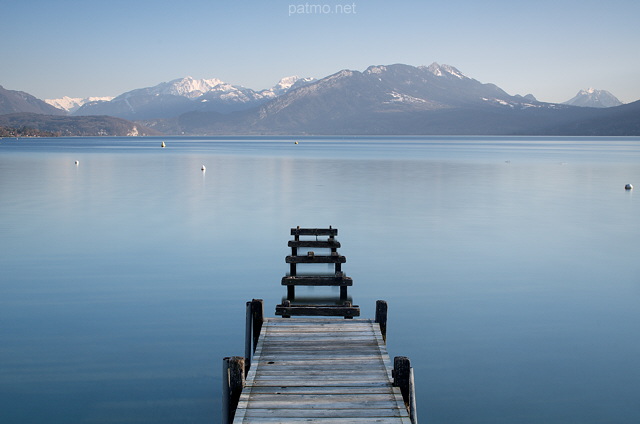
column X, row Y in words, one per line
column 173, row 98
column 393, row 99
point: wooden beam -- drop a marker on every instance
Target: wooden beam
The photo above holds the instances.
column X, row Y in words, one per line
column 314, row 231
column 316, row 259
column 320, row 244
column 318, row 310
column 316, row 280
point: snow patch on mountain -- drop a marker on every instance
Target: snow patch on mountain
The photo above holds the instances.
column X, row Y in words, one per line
column 404, row 98
column 376, row 69
column 498, row 102
column 71, row 104
column 520, row 103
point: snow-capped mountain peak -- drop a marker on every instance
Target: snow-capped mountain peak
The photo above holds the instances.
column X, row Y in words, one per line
column 594, row 98
column 71, row 104
column 285, row 84
column 288, row 83
column 189, row 87
column 443, row 70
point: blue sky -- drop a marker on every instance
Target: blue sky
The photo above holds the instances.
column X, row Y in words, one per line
column 551, row 49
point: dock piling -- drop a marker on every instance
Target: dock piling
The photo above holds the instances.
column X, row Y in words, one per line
column 233, row 379
column 403, row 378
column 413, row 409
column 254, row 320
column 257, row 315
column 401, row 374
column 248, row 337
column 381, row 317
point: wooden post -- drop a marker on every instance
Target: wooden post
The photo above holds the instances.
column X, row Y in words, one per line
column 248, row 337
column 291, row 290
column 348, row 305
column 286, row 304
column 401, row 376
column 413, row 409
column 225, row 391
column 257, row 316
column 343, row 292
column 381, row 317
column 232, row 385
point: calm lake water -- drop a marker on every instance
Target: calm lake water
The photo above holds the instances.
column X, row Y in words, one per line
column 511, row 267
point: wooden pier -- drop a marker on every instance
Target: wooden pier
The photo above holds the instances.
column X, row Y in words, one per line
column 317, row 369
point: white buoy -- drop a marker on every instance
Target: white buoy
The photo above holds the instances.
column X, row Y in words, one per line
column 296, row 142
column 77, row 162
column 628, row 187
column 204, row 168
column 163, row 145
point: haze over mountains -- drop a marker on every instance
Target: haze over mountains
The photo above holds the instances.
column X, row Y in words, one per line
column 393, row 99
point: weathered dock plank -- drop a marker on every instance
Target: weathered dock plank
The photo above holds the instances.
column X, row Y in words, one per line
column 320, row 370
